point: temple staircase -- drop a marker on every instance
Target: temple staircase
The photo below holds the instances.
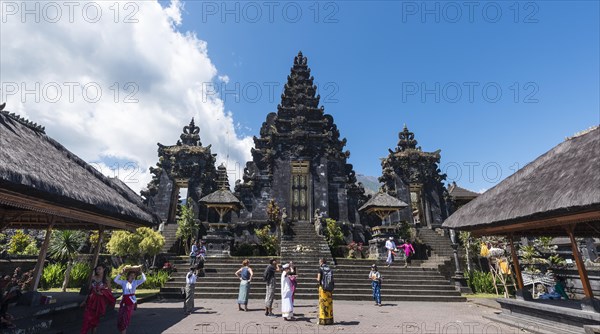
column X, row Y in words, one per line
column 171, row 241
column 418, row 282
column 304, row 246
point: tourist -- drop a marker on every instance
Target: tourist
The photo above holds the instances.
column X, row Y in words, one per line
column 201, row 252
column 287, row 306
column 269, row 278
column 99, row 298
column 128, row 300
column 326, row 285
column 391, row 248
column 10, row 293
column 293, row 275
column 408, row 251
column 245, row 274
column 375, row 277
column 194, row 253
column 190, row 288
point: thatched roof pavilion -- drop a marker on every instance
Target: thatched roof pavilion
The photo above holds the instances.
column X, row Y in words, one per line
column 40, row 180
column 382, row 205
column 557, row 194
column 45, row 186
column 560, row 187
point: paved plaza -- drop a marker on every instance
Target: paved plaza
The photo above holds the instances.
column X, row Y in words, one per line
column 222, row 316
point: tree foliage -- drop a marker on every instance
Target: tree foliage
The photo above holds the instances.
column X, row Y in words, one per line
column 22, row 243
column 267, row 240
column 144, row 242
column 65, row 246
column 333, row 233
column 187, row 229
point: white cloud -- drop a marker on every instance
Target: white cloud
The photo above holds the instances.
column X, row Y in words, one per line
column 224, row 78
column 149, row 63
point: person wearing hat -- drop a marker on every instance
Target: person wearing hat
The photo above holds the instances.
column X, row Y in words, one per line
column 391, row 247
column 375, row 278
column 287, row 305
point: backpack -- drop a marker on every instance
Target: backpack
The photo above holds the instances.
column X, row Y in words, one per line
column 327, row 278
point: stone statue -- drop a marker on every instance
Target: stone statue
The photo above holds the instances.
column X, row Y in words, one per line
column 318, row 225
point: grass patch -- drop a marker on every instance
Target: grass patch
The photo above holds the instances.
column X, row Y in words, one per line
column 60, row 290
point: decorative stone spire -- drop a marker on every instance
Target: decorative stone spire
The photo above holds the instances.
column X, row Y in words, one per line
column 191, row 135
column 222, row 178
column 407, row 140
column 299, row 91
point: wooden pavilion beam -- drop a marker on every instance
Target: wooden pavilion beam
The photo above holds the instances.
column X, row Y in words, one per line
column 515, row 260
column 585, row 281
column 39, row 266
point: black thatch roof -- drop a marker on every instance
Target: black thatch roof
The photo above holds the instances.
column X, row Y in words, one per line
column 563, row 182
column 384, row 201
column 42, row 171
column 459, row 192
column 221, row 196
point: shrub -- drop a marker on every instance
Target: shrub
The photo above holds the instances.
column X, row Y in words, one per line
column 333, row 234
column 53, row 276
column 144, row 242
column 22, row 243
column 79, row 274
column 156, row 281
column 482, row 282
column 244, row 249
column 268, row 242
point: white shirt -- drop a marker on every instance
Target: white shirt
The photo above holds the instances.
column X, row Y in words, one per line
column 190, row 278
column 129, row 288
column 390, row 245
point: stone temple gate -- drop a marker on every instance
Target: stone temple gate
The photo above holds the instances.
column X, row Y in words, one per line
column 187, row 164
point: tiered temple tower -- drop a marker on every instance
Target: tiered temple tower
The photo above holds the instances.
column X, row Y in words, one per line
column 413, row 177
column 299, row 159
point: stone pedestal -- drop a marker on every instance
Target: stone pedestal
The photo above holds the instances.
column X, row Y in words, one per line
column 377, row 249
column 218, row 241
column 460, row 283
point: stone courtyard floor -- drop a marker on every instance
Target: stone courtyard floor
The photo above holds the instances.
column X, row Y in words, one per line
column 222, row 316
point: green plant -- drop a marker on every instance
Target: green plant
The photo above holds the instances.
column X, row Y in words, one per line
column 52, row 276
column 333, row 233
column 156, row 280
column 482, row 282
column 268, row 241
column 133, row 246
column 79, row 274
column 64, row 246
column 244, row 249
column 187, row 228
column 93, row 239
column 22, row 243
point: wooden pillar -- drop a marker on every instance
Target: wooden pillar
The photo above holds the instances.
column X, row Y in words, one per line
column 98, row 247
column 39, row 266
column 515, row 259
column 585, row 281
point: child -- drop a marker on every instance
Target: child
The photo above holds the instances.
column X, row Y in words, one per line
column 375, row 277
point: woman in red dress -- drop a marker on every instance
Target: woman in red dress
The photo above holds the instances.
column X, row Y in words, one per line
column 95, row 304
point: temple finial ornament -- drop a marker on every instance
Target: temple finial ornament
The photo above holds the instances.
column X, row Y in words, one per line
column 407, row 140
column 191, row 135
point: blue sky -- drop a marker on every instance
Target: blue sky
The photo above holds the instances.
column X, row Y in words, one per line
column 377, row 57
column 493, row 85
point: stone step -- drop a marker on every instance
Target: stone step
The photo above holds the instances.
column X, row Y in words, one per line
column 336, row 296
column 357, row 284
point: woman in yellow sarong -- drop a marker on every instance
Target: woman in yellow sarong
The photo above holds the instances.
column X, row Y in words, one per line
column 325, row 279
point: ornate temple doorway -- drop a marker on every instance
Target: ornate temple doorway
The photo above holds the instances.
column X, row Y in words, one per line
column 300, row 192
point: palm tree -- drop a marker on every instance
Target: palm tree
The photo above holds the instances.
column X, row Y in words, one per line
column 65, row 246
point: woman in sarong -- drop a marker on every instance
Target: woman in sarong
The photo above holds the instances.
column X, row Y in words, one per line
column 287, row 306
column 245, row 274
column 99, row 298
column 128, row 301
